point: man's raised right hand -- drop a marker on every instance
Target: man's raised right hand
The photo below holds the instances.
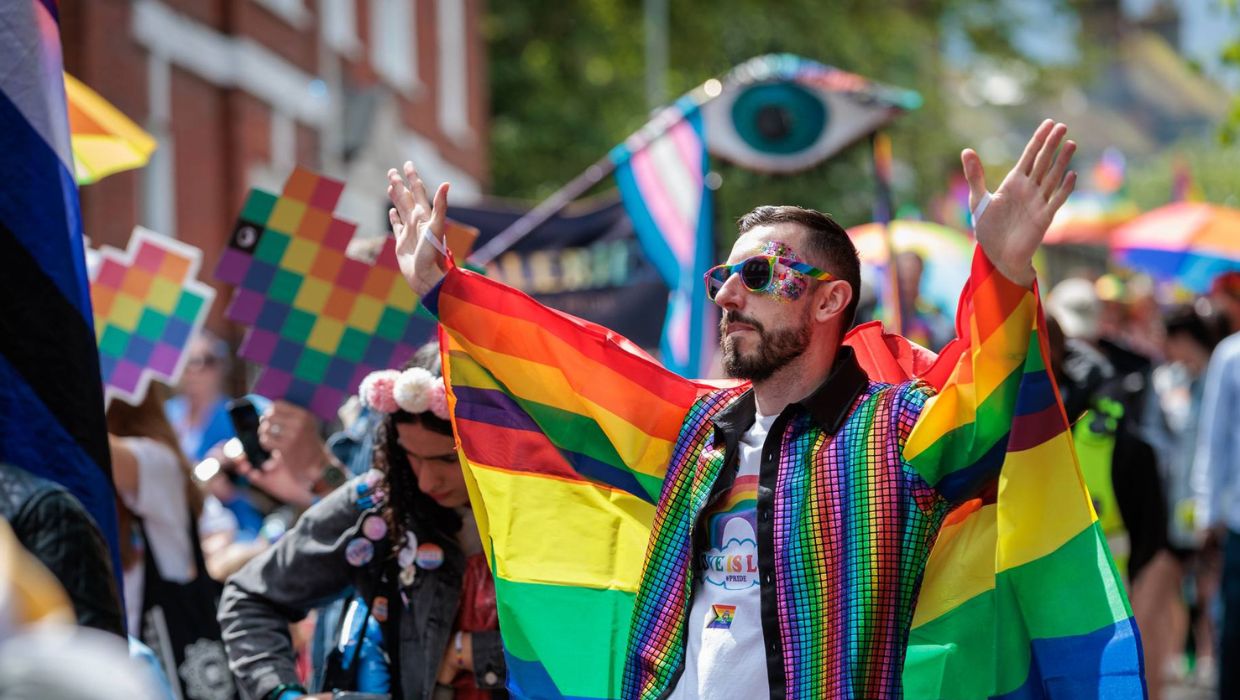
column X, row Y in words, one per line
column 415, row 219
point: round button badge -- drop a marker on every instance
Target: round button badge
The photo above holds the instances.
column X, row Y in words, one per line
column 430, row 556
column 380, row 609
column 374, row 527
column 359, row 551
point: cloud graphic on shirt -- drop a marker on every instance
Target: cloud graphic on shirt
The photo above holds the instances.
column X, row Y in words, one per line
column 733, row 564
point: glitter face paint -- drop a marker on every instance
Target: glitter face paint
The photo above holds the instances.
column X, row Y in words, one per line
column 787, row 285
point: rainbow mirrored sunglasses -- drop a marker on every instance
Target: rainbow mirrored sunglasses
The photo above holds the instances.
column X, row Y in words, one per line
column 757, row 273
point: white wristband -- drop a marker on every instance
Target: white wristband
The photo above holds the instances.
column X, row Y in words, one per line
column 438, row 244
column 978, row 210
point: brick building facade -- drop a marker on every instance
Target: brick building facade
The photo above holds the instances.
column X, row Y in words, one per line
column 237, row 92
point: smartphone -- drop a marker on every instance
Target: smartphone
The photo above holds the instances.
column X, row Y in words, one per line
column 245, row 423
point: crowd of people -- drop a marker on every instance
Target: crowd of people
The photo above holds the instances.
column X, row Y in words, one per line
column 348, row 560
column 1150, row 447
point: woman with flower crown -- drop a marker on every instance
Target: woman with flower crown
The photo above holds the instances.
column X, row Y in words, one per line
column 422, row 622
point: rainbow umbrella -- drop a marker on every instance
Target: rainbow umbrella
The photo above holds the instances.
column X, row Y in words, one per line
column 1191, row 242
column 946, row 252
column 104, row 140
column 1088, row 218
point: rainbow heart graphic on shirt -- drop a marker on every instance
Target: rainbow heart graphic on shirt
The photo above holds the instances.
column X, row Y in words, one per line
column 731, row 561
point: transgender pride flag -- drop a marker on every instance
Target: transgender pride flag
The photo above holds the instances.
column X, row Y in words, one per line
column 661, row 171
column 51, row 397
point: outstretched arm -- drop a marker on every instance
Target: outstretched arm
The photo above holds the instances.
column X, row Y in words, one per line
column 960, row 439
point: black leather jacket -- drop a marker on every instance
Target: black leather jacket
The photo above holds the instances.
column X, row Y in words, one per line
column 57, row 530
column 308, row 567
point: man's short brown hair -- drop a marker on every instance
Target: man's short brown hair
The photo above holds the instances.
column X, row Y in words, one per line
column 829, row 246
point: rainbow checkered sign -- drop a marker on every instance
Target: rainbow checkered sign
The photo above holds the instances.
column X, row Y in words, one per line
column 148, row 303
column 319, row 321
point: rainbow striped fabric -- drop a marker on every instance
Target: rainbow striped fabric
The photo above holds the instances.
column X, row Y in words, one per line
column 1020, row 598
column 566, row 431
column 51, row 396
column 663, row 183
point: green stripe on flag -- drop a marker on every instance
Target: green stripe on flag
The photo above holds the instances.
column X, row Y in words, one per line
column 574, row 632
column 967, row 443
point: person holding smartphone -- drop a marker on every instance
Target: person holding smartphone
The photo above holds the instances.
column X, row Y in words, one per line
column 422, row 621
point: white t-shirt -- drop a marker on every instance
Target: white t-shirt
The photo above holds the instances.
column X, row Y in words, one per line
column 160, row 502
column 725, row 656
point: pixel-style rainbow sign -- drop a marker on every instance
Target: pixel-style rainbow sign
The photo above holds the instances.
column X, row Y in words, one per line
column 319, row 321
column 148, row 304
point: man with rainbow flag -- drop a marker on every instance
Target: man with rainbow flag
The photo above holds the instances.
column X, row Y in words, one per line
column 855, row 519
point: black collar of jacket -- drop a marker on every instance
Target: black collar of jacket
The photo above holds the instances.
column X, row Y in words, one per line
column 828, row 405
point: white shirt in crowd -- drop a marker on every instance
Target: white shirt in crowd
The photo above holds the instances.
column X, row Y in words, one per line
column 161, row 503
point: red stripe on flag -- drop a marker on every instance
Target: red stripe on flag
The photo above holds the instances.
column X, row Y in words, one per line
column 513, row 450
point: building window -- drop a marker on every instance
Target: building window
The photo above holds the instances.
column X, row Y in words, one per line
column 453, row 70
column 338, row 25
column 394, row 42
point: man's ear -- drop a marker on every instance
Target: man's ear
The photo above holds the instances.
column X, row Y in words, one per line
column 831, row 298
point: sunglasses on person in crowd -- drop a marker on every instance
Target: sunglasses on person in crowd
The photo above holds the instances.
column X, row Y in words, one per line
column 757, row 273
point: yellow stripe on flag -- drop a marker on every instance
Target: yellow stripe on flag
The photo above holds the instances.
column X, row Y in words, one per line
column 560, row 545
column 1044, row 502
column 961, row 566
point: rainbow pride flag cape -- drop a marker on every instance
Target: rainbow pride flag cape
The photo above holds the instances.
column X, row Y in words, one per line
column 1021, row 598
column 565, row 430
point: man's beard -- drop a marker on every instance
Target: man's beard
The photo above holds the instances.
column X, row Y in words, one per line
column 775, row 348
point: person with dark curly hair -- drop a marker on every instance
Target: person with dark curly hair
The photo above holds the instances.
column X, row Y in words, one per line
column 422, row 621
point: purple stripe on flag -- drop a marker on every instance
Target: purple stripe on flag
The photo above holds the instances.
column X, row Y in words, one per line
column 493, row 407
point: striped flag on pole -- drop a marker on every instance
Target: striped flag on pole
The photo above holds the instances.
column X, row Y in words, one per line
column 661, row 171
column 51, row 396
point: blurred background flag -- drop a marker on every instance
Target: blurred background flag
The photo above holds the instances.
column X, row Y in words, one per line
column 105, row 141
column 51, row 396
column 887, row 282
column 945, row 252
column 1109, row 172
column 662, row 175
column 1184, row 187
column 1088, row 218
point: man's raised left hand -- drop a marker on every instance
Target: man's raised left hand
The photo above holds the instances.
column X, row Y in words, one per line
column 1021, row 209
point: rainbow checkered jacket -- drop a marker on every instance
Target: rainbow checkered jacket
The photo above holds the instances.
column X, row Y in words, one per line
column 842, row 548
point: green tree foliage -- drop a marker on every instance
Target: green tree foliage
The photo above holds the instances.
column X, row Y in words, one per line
column 567, row 84
column 1212, row 167
column 1229, row 133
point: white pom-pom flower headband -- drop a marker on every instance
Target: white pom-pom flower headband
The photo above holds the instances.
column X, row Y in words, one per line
column 414, row 390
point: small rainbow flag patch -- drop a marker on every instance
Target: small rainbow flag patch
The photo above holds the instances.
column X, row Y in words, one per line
column 724, row 614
